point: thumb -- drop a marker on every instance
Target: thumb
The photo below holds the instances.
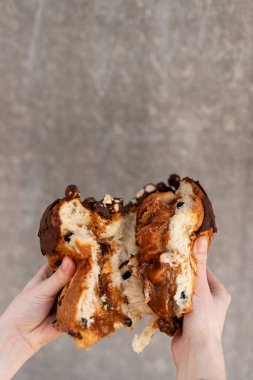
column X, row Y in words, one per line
column 200, row 249
column 51, row 286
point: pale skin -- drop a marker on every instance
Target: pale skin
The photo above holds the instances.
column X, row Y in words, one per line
column 26, row 324
column 197, row 348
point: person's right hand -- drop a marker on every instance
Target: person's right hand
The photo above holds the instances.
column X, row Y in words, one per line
column 197, row 348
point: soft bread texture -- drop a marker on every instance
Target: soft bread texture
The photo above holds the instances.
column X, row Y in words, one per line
column 132, row 261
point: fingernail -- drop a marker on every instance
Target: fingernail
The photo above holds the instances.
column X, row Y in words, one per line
column 64, row 264
column 202, row 245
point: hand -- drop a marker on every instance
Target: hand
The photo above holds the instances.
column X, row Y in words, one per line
column 26, row 325
column 197, row 349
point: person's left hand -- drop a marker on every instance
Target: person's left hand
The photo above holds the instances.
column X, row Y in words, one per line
column 28, row 318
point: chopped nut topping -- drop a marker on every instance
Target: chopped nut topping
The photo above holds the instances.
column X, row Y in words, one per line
column 107, row 199
column 140, row 193
column 116, row 207
column 150, row 188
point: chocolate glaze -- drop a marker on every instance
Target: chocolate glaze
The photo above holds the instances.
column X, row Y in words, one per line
column 209, row 217
column 48, row 235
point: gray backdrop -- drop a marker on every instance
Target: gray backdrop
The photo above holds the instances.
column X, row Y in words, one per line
column 110, row 95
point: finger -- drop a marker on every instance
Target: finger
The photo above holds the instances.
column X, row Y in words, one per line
column 42, row 274
column 51, row 286
column 215, row 285
column 217, row 289
column 177, row 335
column 200, row 250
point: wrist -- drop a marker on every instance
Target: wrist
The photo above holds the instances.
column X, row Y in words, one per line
column 202, row 358
column 15, row 350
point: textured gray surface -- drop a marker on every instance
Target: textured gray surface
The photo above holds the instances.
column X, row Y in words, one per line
column 110, row 95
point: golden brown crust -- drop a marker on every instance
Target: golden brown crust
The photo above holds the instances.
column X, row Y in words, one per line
column 66, row 316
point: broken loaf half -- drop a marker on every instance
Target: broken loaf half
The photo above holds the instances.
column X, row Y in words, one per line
column 132, row 260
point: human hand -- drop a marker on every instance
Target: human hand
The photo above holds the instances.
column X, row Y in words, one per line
column 197, row 348
column 26, row 324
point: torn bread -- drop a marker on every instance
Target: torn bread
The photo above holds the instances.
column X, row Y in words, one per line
column 166, row 228
column 131, row 261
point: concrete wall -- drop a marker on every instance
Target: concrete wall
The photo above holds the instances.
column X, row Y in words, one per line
column 110, row 95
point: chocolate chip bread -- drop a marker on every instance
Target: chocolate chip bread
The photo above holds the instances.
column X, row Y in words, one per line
column 132, row 261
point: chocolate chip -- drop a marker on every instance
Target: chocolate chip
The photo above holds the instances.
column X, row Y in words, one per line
column 174, row 180
column 180, row 204
column 98, row 206
column 128, row 322
column 102, row 210
column 123, row 264
column 68, row 236
column 75, row 334
column 83, row 322
column 89, row 203
column 105, row 248
column 127, row 275
column 161, row 187
column 71, row 192
column 183, row 296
